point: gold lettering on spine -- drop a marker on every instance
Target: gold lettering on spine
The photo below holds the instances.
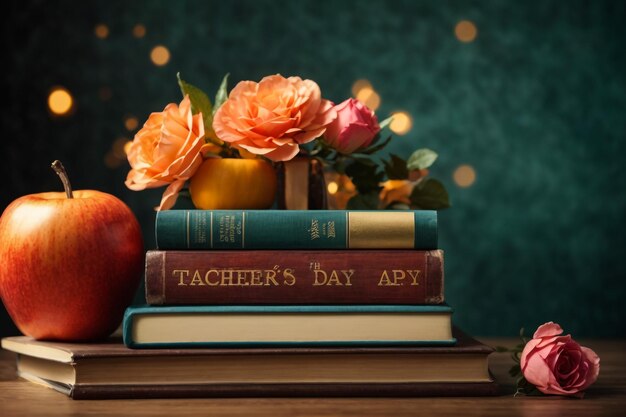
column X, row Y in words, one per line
column 197, row 279
column 333, row 279
column 398, row 275
column 318, row 273
column 270, row 275
column 255, row 278
column 182, row 273
column 381, row 230
column 414, row 273
column 227, row 277
column 208, row 281
column 290, row 278
column 348, row 274
column 241, row 279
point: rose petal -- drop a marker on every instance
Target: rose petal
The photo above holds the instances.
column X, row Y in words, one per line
column 548, row 329
column 170, row 195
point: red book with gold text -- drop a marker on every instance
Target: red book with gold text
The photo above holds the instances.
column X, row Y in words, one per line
column 279, row 277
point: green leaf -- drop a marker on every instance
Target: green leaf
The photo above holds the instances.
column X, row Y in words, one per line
column 222, row 94
column 430, row 194
column 368, row 201
column 395, row 168
column 421, row 159
column 200, row 102
column 385, row 122
column 366, row 177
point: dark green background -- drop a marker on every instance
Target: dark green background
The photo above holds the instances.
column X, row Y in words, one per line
column 536, row 104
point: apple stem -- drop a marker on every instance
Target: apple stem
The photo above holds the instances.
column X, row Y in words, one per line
column 58, row 167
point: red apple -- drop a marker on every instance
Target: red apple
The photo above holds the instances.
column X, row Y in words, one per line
column 70, row 262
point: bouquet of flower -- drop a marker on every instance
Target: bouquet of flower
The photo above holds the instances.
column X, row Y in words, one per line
column 227, row 149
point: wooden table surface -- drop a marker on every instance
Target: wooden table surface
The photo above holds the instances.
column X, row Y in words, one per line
column 606, row 398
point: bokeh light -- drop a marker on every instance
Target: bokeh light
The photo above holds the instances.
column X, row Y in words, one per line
column 401, row 123
column 101, row 31
column 360, row 85
column 119, row 148
column 465, row 31
column 160, row 55
column 139, row 31
column 464, row 176
column 60, row 101
column 332, row 187
column 127, row 146
column 369, row 97
column 131, row 123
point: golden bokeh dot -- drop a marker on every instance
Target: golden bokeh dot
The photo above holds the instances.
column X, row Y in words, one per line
column 332, row 187
column 101, row 31
column 401, row 123
column 127, row 146
column 465, row 31
column 360, row 85
column 60, row 101
column 160, row 55
column 464, row 176
column 369, row 97
column 111, row 160
column 118, row 148
column 139, row 31
column 131, row 123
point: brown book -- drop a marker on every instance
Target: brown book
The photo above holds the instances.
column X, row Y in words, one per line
column 110, row 370
column 281, row 277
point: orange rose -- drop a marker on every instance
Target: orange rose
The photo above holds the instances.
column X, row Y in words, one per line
column 273, row 117
column 167, row 150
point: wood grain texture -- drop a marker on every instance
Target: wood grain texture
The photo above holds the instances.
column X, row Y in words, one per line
column 606, row 398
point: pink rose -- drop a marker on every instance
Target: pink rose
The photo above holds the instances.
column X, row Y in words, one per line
column 557, row 364
column 354, row 128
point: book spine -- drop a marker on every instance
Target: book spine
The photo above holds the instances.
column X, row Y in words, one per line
column 294, row 277
column 296, row 229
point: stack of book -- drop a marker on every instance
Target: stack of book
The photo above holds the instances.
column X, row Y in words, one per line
column 279, row 303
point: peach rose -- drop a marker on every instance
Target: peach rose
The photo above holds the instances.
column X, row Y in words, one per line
column 167, row 151
column 557, row 364
column 354, row 128
column 273, row 117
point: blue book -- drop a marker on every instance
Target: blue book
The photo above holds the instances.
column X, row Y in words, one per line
column 287, row 326
column 296, row 229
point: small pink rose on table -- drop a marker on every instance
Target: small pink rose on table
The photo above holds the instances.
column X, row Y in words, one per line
column 355, row 127
column 557, row 364
column 552, row 363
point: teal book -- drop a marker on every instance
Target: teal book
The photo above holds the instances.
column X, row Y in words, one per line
column 287, row 326
column 296, row 229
